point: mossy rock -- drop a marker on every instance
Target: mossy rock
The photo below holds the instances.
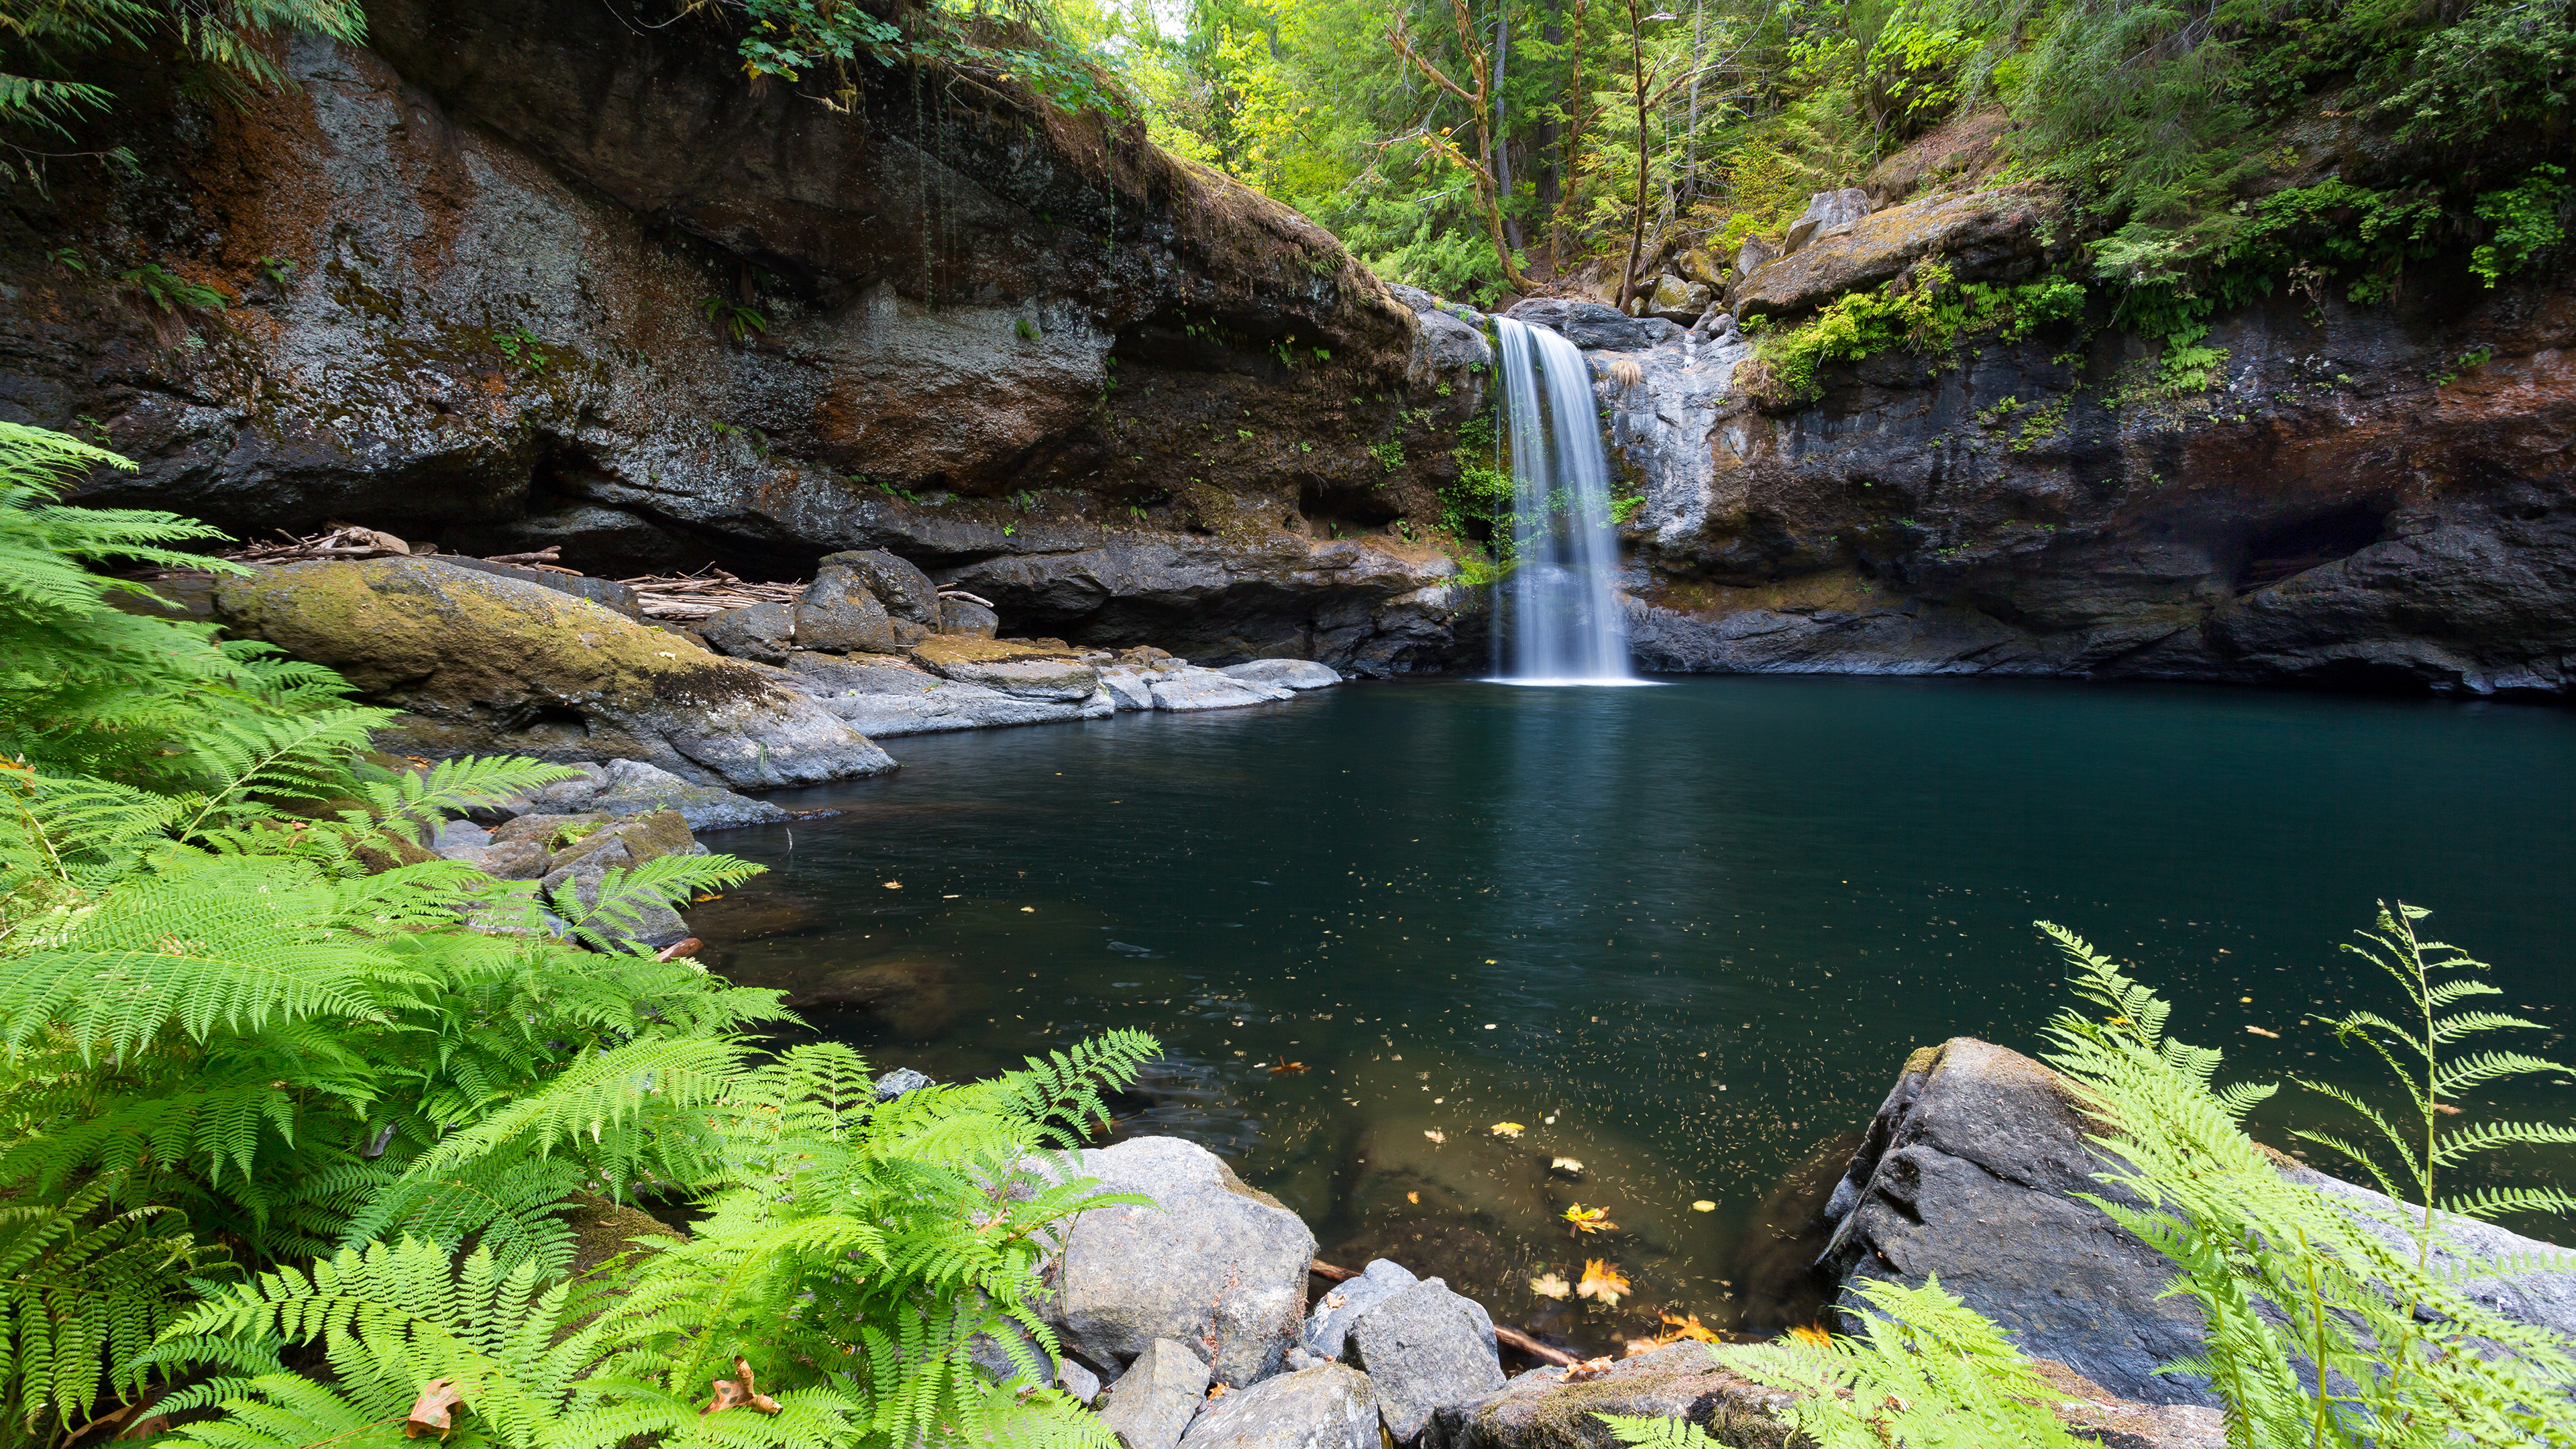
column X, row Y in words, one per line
column 485, row 664
column 1539, row 1410
column 1027, row 668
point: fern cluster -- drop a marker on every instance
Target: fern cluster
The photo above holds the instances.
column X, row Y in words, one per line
column 289, row 1128
column 2330, row 1322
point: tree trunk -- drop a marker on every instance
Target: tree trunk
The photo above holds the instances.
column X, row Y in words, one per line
column 1690, row 134
column 1502, row 156
column 1575, row 124
column 1637, row 231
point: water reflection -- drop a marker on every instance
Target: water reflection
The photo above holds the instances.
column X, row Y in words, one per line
column 1681, row 937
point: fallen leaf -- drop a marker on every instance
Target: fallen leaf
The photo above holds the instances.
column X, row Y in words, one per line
column 1437, row 1137
column 1603, row 1282
column 2446, row 1109
column 1812, row 1337
column 1568, row 1164
column 1703, row 1206
column 1413, row 1197
column 1506, row 1129
column 1550, row 1285
column 1216, row 1391
column 434, row 1412
column 738, row 1393
column 1334, row 1300
column 894, row 885
column 1287, row 1067
column 2258, row 1031
column 1590, row 1368
column 1686, row 1328
column 1589, row 1220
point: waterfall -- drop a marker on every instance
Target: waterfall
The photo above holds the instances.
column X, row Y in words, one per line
column 1560, row 622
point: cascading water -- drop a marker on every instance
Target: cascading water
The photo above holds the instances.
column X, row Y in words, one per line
column 1559, row 622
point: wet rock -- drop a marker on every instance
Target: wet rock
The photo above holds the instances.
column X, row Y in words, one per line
column 1015, row 667
column 1327, row 1407
column 1153, row 1402
column 1974, row 1169
column 607, row 593
column 886, row 700
column 1777, row 1283
column 1449, row 345
column 548, row 831
column 1593, row 326
column 965, row 616
column 1425, row 1348
column 764, row 632
column 1078, row 1381
column 1329, row 1325
column 487, row 665
column 1184, row 690
column 899, row 1081
column 1539, row 1410
column 1299, row 674
column 1827, row 212
column 634, row 788
column 1215, row 1264
column 1989, row 236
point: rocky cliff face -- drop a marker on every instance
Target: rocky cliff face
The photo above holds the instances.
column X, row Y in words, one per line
column 2374, row 497
column 527, row 273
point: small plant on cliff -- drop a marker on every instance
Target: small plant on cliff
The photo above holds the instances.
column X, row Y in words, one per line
column 740, row 322
column 161, row 288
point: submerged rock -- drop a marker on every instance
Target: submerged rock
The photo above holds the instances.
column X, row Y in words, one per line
column 1214, row 1264
column 1325, row 1407
column 487, row 665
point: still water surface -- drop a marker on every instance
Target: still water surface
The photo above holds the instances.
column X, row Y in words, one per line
column 1685, row 936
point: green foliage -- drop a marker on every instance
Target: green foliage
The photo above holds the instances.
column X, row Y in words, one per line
column 1930, row 318
column 522, row 347
column 2287, row 1277
column 226, row 40
column 1022, row 44
column 2415, row 1054
column 1927, row 1372
column 161, row 288
column 740, row 322
column 2529, row 219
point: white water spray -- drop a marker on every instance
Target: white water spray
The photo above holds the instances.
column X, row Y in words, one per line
column 1560, row 621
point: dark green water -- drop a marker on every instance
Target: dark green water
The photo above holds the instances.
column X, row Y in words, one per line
column 1684, row 935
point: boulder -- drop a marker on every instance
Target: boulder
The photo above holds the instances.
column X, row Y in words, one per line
column 1325, row 1407
column 840, row 611
column 1540, row 1410
column 1989, row 236
column 1449, row 345
column 1214, row 1264
column 1329, row 1326
column 1753, row 253
column 607, row 593
column 1678, row 301
column 1018, row 667
column 1128, row 689
column 965, row 616
column 899, row 1081
column 907, row 592
column 1827, row 212
column 1701, row 265
column 635, row 788
column 764, row 632
column 487, row 665
column 457, row 835
column 1593, row 326
column 1285, row 673
column 1425, row 1348
column 504, row 859
column 1153, row 1402
column 1972, row 1169
column 898, row 698
column 1184, row 690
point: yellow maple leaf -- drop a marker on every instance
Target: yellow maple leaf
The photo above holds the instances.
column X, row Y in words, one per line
column 1603, row 1282
column 1506, row 1129
column 1589, row 1220
column 1550, row 1285
column 1686, row 1328
column 1812, row 1337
